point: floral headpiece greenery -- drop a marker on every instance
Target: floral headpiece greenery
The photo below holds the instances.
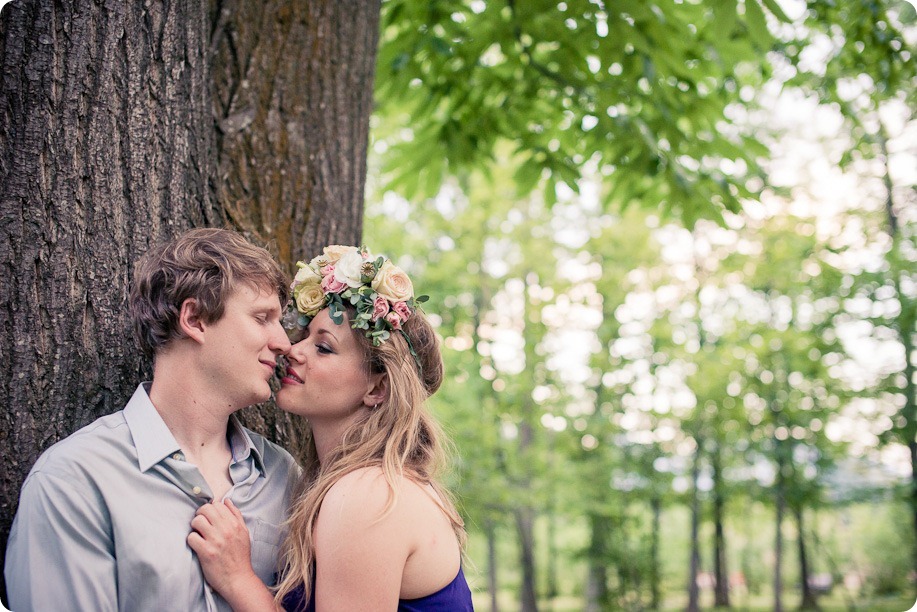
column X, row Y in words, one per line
column 380, row 291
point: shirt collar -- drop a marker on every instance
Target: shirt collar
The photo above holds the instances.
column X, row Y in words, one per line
column 152, row 438
column 242, row 444
column 154, row 441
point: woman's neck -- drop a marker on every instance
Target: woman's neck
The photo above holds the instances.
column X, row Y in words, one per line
column 328, row 434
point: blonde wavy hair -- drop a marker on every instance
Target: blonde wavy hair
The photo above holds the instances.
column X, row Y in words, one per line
column 399, row 436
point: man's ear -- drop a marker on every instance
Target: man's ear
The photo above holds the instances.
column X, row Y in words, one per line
column 190, row 321
column 378, row 392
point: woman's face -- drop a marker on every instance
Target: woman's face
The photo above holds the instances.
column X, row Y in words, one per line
column 326, row 377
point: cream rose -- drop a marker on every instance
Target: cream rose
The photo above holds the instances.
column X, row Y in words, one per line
column 349, row 269
column 305, row 275
column 310, row 299
column 392, row 283
column 334, row 252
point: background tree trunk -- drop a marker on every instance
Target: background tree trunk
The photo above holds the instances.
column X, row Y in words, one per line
column 525, row 527
column 655, row 595
column 490, row 530
column 600, row 530
column 780, row 506
column 809, row 600
column 694, row 566
column 720, row 567
column 122, row 124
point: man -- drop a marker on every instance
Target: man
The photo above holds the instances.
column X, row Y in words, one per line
column 104, row 514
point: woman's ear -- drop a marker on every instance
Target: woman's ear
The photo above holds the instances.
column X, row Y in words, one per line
column 378, row 392
column 190, row 321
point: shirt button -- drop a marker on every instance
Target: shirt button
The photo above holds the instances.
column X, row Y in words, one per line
column 177, row 456
column 196, row 490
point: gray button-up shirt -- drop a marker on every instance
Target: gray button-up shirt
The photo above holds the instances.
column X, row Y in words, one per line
column 104, row 514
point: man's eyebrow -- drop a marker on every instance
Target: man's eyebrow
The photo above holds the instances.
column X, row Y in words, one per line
column 272, row 309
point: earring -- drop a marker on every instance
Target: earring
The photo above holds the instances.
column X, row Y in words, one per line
column 376, row 406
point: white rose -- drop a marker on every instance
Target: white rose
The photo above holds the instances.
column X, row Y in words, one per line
column 349, row 269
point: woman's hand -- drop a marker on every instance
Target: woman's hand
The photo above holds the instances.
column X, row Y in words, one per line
column 223, row 547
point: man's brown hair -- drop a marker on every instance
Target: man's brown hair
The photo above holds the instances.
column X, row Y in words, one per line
column 206, row 264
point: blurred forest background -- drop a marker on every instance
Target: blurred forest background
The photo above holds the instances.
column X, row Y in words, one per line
column 677, row 292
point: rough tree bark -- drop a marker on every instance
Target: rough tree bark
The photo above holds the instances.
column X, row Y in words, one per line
column 292, row 94
column 122, row 124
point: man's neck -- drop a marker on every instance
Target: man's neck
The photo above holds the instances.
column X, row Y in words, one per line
column 196, row 419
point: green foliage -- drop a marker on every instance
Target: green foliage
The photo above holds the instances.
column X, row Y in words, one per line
column 639, row 91
column 544, row 149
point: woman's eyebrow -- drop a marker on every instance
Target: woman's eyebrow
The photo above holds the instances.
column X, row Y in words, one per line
column 327, row 332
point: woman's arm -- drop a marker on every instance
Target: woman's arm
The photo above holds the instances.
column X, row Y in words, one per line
column 221, row 542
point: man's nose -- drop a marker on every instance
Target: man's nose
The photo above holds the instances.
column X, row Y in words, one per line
column 279, row 340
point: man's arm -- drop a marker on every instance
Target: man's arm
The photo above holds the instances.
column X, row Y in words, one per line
column 60, row 551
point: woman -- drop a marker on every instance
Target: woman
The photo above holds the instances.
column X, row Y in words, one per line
column 370, row 527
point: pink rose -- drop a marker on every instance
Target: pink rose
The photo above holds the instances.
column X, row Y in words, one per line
column 403, row 310
column 327, row 270
column 380, row 308
column 332, row 285
column 393, row 319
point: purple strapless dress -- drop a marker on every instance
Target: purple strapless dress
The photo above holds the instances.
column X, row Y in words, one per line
column 454, row 597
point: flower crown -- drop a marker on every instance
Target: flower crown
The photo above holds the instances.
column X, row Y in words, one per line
column 380, row 291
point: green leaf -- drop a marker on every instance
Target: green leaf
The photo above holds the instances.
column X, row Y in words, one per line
column 757, row 24
column 776, row 11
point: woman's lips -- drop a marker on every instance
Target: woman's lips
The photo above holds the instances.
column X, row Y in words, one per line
column 291, row 377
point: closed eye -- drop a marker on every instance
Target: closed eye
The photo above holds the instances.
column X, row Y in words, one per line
column 324, row 349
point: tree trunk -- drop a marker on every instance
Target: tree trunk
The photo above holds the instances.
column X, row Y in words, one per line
column 597, row 598
column 492, row 584
column 694, row 567
column 655, row 599
column 109, row 142
column 553, row 554
column 780, row 504
column 292, row 96
column 105, row 149
column 720, row 568
column 525, row 527
column 905, row 324
column 809, row 601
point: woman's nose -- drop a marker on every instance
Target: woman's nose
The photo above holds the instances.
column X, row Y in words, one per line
column 297, row 352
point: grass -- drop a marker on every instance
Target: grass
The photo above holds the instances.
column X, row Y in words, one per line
column 753, row 603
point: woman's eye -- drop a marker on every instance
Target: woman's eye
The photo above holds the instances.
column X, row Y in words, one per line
column 323, row 349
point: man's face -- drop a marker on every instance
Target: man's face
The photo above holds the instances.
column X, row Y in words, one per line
column 240, row 350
